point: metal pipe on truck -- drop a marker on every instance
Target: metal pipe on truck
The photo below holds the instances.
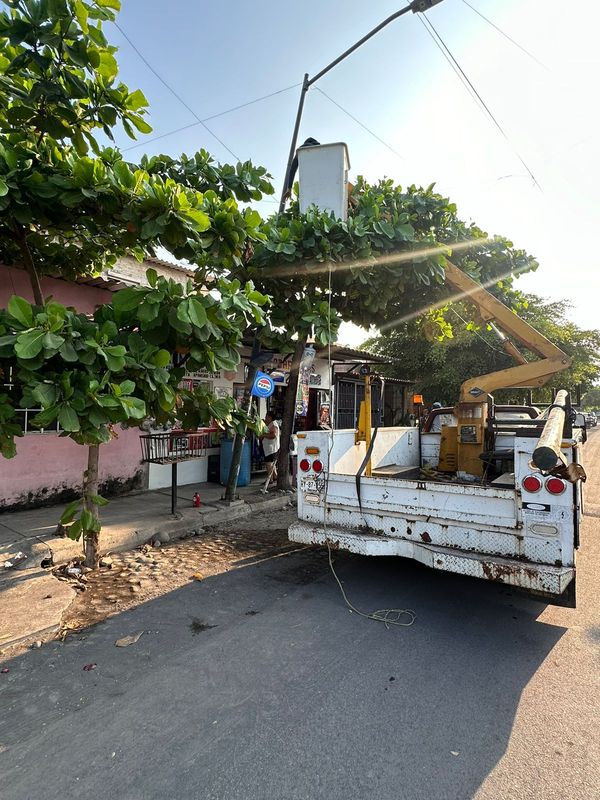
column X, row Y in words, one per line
column 548, row 451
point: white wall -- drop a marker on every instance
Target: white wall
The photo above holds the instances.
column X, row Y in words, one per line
column 195, row 471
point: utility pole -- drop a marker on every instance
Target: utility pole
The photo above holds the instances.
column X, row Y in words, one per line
column 416, row 6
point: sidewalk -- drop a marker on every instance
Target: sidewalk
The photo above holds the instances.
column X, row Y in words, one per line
column 33, row 600
column 129, row 520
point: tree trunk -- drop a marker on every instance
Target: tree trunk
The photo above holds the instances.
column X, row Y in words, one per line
column 90, row 488
column 239, row 439
column 289, row 415
column 34, row 278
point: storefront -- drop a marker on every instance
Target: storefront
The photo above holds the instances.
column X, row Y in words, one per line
column 329, row 393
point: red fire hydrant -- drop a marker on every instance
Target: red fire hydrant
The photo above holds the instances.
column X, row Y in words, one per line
column 196, row 500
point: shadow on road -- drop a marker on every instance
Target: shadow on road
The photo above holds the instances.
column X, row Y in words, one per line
column 259, row 683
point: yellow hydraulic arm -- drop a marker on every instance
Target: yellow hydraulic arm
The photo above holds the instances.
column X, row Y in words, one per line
column 528, row 374
column 472, row 408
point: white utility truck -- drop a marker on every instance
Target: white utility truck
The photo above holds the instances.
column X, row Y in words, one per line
column 491, row 496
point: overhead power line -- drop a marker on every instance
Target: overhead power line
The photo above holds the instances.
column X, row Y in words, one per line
column 358, row 122
column 506, row 36
column 212, row 116
column 441, row 44
column 174, row 93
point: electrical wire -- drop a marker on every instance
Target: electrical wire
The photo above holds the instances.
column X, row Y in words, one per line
column 174, row 93
column 389, row 616
column 483, row 339
column 506, row 36
column 358, row 122
column 441, row 44
column 212, row 116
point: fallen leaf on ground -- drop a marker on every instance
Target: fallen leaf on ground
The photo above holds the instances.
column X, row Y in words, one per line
column 90, row 667
column 5, row 670
column 198, row 576
column 127, row 640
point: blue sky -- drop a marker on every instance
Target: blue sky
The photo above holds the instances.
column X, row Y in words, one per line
column 221, row 54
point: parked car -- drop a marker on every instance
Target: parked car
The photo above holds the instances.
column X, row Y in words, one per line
column 591, row 420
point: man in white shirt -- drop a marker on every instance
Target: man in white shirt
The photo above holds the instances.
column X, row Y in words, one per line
column 270, row 441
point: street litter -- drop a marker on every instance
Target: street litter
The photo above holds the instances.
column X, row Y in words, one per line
column 15, row 560
column 89, row 667
column 127, row 640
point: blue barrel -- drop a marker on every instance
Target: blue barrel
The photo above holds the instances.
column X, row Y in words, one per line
column 226, row 451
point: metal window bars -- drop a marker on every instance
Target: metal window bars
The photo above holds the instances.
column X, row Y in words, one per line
column 174, row 446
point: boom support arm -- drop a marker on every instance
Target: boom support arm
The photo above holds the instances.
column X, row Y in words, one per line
column 528, row 374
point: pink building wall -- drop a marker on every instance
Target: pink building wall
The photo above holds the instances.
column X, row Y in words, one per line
column 49, row 467
column 83, row 298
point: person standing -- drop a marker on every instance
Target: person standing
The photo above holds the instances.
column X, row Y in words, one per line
column 270, row 441
column 436, row 425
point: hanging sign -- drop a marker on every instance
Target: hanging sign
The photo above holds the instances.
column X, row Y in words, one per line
column 263, row 385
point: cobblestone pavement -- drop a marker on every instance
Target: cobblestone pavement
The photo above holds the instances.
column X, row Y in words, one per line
column 136, row 576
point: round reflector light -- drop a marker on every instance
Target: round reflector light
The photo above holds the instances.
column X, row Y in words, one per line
column 305, row 465
column 532, row 483
column 555, row 485
column 317, row 466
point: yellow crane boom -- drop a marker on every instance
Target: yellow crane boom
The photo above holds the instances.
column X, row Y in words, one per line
column 472, row 407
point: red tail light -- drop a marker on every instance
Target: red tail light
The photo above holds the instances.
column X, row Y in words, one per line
column 532, row 483
column 555, row 485
column 305, row 465
column 317, row 466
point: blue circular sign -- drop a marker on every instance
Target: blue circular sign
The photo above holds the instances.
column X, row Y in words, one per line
column 263, row 385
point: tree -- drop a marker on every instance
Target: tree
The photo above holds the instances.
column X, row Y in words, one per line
column 66, row 212
column 386, row 261
column 71, row 207
column 439, row 360
column 92, row 374
column 591, row 399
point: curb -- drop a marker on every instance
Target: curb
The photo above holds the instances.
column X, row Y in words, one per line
column 134, row 534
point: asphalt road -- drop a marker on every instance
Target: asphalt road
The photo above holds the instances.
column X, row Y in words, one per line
column 288, row 695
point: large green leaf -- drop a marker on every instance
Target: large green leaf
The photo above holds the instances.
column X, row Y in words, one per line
column 98, row 500
column 52, row 342
column 74, row 531
column 21, row 310
column 68, row 419
column 30, row 343
column 81, row 14
column 3, row 188
column 199, row 218
column 45, row 418
column 46, row 394
column 196, row 312
column 126, row 300
column 70, row 511
column 127, row 387
column 136, row 100
column 108, row 65
column 162, row 358
column 133, row 407
column 140, row 123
